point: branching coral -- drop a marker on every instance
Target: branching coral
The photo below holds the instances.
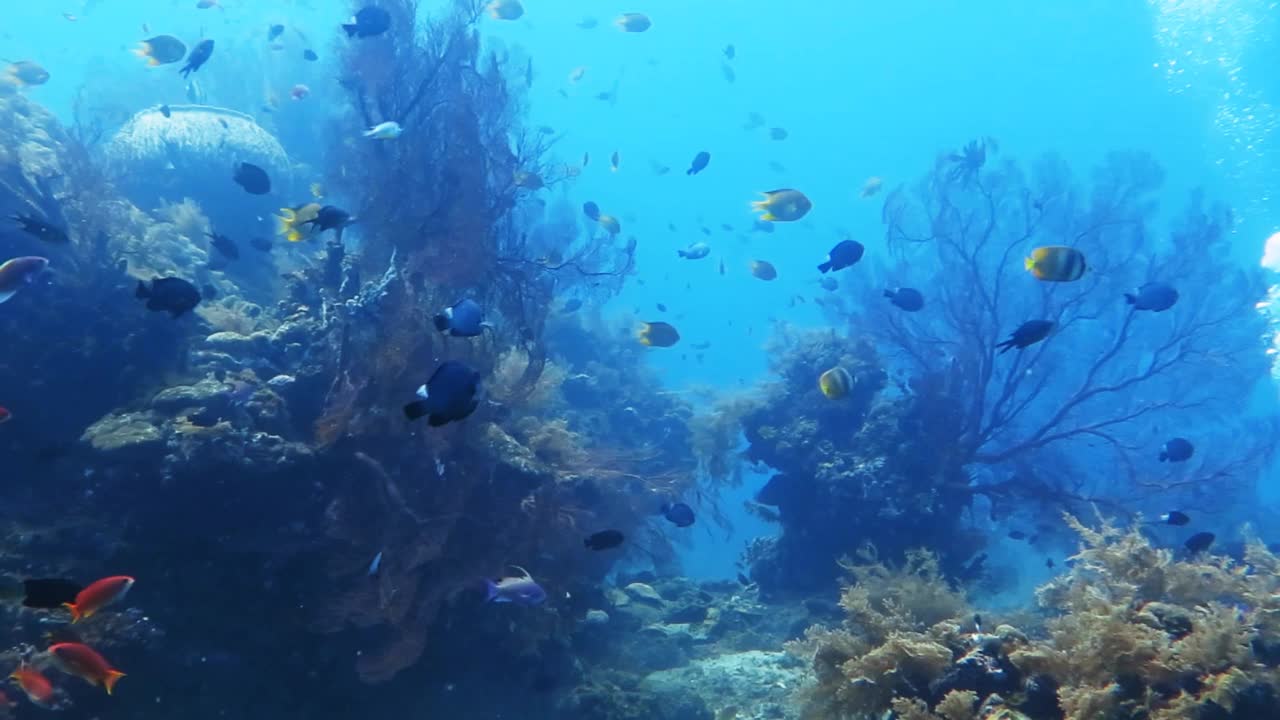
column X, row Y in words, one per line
column 1132, row 633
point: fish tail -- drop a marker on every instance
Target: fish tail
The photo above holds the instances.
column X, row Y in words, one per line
column 490, row 590
column 143, row 51
column 1163, row 456
column 109, row 682
column 285, row 223
column 889, row 293
column 142, row 291
column 825, row 267
column 441, row 322
column 1005, row 346
column 1130, row 298
column 416, row 409
column 1029, row 264
column 76, row 614
column 351, row 29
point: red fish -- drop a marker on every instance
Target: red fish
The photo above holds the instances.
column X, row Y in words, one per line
column 5, row 415
column 37, row 687
column 98, row 595
column 85, row 663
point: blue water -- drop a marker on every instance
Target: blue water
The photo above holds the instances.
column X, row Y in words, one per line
column 862, row 89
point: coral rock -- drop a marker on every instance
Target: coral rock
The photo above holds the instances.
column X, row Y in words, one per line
column 127, row 434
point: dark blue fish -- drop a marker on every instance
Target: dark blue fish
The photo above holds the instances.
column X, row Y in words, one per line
column 169, row 294
column 274, row 32
column 699, row 163
column 166, row 111
column 1154, row 296
column 38, row 228
column 908, row 299
column 224, row 245
column 1199, row 542
column 843, row 255
column 370, row 21
column 199, row 56
column 591, row 210
column 679, row 514
column 1028, row 333
column 310, row 55
column 604, row 540
column 330, row 217
column 465, row 319
column 1177, row 450
column 1175, row 518
column 452, row 394
column 252, row 178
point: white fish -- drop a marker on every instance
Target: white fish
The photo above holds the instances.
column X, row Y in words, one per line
column 389, row 130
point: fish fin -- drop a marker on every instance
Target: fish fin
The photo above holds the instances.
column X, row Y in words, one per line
column 422, row 392
column 351, row 29
column 1130, row 298
column 285, row 221
column 437, row 421
column 76, row 614
column 109, row 682
column 4, row 296
column 825, row 267
column 768, row 217
column 888, row 293
column 416, row 409
column 526, row 572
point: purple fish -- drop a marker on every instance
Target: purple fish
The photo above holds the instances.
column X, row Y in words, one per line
column 522, row 590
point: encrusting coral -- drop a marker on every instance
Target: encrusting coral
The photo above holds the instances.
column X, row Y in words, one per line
column 1130, row 632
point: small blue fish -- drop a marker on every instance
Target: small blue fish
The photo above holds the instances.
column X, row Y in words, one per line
column 452, row 393
column 521, row 590
column 376, row 564
column 464, row 319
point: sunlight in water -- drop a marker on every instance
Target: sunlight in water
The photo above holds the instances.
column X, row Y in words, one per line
column 1204, row 44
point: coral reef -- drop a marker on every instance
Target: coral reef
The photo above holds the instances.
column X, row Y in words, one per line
column 1130, row 632
column 872, row 464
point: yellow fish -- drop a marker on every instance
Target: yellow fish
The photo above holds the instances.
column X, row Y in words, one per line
column 290, row 221
column 871, row 187
column 835, row 383
column 610, row 223
column 657, row 334
column 528, row 180
column 782, row 205
column 1056, row 263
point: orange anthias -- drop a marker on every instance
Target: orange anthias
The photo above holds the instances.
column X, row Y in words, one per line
column 37, row 687
column 85, row 663
column 98, row 595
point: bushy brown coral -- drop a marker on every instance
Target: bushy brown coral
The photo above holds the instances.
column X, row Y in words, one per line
column 1131, row 632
